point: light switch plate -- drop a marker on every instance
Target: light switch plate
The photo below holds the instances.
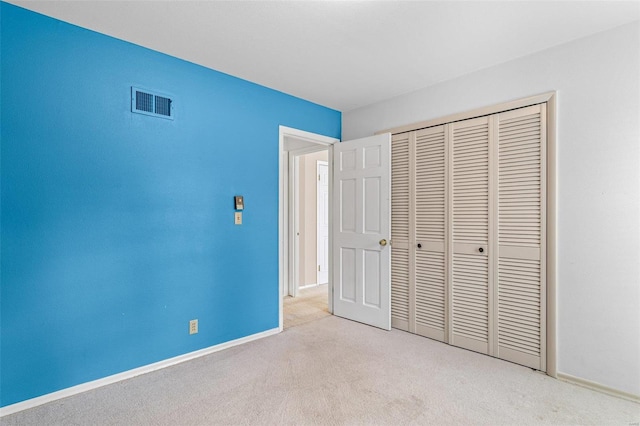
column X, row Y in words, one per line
column 238, row 218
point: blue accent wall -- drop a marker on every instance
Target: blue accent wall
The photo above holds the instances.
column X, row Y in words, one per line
column 117, row 228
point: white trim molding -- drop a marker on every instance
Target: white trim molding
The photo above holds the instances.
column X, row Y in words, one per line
column 306, row 136
column 84, row 387
column 478, row 112
column 598, row 387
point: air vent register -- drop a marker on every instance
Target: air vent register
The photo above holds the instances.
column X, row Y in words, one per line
column 148, row 103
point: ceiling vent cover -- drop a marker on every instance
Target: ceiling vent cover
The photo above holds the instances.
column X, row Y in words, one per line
column 149, row 103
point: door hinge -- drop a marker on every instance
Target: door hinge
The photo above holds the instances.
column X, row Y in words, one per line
column 318, row 177
column 318, row 268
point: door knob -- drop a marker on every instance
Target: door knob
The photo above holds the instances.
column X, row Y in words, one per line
column 480, row 249
column 383, row 242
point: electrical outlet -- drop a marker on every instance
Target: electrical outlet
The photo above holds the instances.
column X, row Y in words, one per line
column 193, row 326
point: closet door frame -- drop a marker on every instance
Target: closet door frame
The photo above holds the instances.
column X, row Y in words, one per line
column 550, row 99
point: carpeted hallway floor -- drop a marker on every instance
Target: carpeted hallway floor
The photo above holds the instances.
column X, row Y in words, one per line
column 332, row 371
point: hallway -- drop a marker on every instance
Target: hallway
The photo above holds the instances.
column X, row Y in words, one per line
column 310, row 305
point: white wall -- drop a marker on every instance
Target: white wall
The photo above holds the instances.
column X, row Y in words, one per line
column 308, row 210
column 597, row 81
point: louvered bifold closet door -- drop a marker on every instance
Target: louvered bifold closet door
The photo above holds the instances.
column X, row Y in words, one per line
column 400, row 225
column 430, row 227
column 470, row 267
column 521, row 239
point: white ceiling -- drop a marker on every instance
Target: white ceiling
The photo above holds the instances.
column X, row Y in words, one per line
column 344, row 54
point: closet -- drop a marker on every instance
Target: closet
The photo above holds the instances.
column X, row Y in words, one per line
column 468, row 211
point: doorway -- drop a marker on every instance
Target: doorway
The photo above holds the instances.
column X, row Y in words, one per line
column 298, row 260
column 308, row 296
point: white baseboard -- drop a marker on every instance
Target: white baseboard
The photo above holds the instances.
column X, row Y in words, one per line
column 302, row 287
column 84, row 387
column 311, row 285
column 598, row 387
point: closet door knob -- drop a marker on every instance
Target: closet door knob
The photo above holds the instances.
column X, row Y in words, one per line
column 383, row 242
column 480, row 249
column 419, row 245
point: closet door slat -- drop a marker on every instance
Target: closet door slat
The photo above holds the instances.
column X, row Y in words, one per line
column 521, row 213
column 400, row 228
column 430, row 232
column 470, row 305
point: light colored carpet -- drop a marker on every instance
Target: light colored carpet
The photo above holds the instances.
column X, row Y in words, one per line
column 334, row 371
column 310, row 305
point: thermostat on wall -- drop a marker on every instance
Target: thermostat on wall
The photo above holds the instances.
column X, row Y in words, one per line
column 239, row 199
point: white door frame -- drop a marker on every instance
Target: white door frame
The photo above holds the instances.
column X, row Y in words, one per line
column 313, row 142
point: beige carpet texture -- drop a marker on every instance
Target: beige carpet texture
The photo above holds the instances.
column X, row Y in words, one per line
column 331, row 371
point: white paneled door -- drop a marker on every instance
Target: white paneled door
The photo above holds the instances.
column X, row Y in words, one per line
column 361, row 230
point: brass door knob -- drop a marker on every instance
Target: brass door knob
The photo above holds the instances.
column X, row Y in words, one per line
column 383, row 242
